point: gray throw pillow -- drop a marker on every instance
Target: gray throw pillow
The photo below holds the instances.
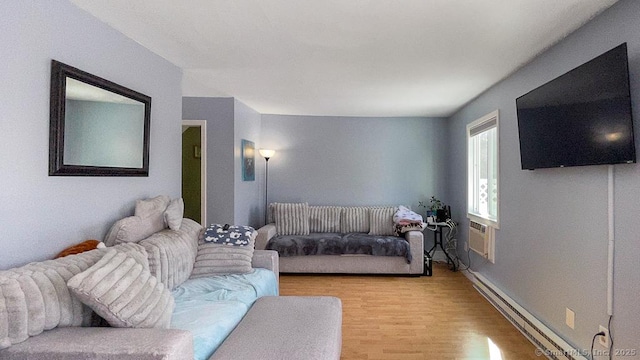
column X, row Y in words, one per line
column 152, row 207
column 174, row 213
column 354, row 219
column 152, row 210
column 292, row 218
column 131, row 229
column 219, row 259
column 123, row 292
column 381, row 221
column 324, row 219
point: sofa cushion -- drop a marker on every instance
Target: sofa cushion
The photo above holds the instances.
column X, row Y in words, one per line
column 354, row 219
column 340, row 244
column 308, row 328
column 312, row 244
column 35, row 297
column 104, row 343
column 173, row 253
column 292, row 218
column 323, row 219
column 381, row 221
column 121, row 290
column 217, row 259
column 211, row 307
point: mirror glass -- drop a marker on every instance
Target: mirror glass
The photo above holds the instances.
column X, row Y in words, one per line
column 102, row 128
column 97, row 127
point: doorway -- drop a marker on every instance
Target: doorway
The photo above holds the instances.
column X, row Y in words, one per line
column 194, row 170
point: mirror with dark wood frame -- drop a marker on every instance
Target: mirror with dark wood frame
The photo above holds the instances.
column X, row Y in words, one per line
column 97, row 127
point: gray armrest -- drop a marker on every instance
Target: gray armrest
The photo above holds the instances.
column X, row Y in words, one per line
column 265, row 234
column 267, row 259
column 416, row 243
column 72, row 343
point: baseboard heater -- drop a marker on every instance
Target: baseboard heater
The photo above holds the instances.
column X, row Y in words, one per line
column 550, row 344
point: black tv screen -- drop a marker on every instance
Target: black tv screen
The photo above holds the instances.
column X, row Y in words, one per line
column 580, row 118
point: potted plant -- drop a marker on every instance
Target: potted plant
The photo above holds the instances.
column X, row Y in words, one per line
column 435, row 208
column 435, row 204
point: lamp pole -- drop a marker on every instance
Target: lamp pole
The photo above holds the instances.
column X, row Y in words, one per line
column 267, row 154
column 266, row 188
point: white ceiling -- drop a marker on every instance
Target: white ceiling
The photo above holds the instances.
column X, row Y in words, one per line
column 346, row 57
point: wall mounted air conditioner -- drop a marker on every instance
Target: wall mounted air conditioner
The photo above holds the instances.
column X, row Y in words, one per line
column 481, row 239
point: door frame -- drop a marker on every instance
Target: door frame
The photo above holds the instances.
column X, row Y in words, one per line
column 202, row 124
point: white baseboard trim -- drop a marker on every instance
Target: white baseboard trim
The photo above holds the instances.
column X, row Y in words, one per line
column 548, row 342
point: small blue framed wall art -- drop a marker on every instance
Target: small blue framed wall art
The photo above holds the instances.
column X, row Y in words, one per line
column 248, row 160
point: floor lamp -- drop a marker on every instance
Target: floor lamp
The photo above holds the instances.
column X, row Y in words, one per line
column 266, row 154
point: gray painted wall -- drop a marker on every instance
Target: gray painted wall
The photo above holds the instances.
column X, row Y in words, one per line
column 41, row 215
column 219, row 114
column 355, row 160
column 551, row 250
column 249, row 196
column 229, row 199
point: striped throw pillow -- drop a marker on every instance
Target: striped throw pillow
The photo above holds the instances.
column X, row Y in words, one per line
column 220, row 259
column 292, row 218
column 354, row 219
column 381, row 221
column 123, row 292
column 324, row 219
column 271, row 218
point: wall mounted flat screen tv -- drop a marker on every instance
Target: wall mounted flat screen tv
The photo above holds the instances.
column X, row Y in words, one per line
column 580, row 118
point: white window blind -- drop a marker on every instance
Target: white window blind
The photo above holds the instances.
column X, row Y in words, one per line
column 483, row 174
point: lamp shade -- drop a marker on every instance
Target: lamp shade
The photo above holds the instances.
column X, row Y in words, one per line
column 267, row 153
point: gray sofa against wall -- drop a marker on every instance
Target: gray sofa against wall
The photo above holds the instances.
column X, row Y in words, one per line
column 45, row 312
column 335, row 222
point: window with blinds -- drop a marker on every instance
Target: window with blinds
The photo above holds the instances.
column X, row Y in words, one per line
column 483, row 172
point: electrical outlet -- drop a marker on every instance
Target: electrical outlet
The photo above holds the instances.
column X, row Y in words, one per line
column 570, row 318
column 604, row 340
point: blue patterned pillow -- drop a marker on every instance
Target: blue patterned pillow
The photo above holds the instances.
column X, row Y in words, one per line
column 235, row 235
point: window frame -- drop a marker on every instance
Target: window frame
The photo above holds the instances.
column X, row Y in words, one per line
column 482, row 121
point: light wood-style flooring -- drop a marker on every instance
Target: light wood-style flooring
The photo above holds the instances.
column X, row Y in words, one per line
column 438, row 317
